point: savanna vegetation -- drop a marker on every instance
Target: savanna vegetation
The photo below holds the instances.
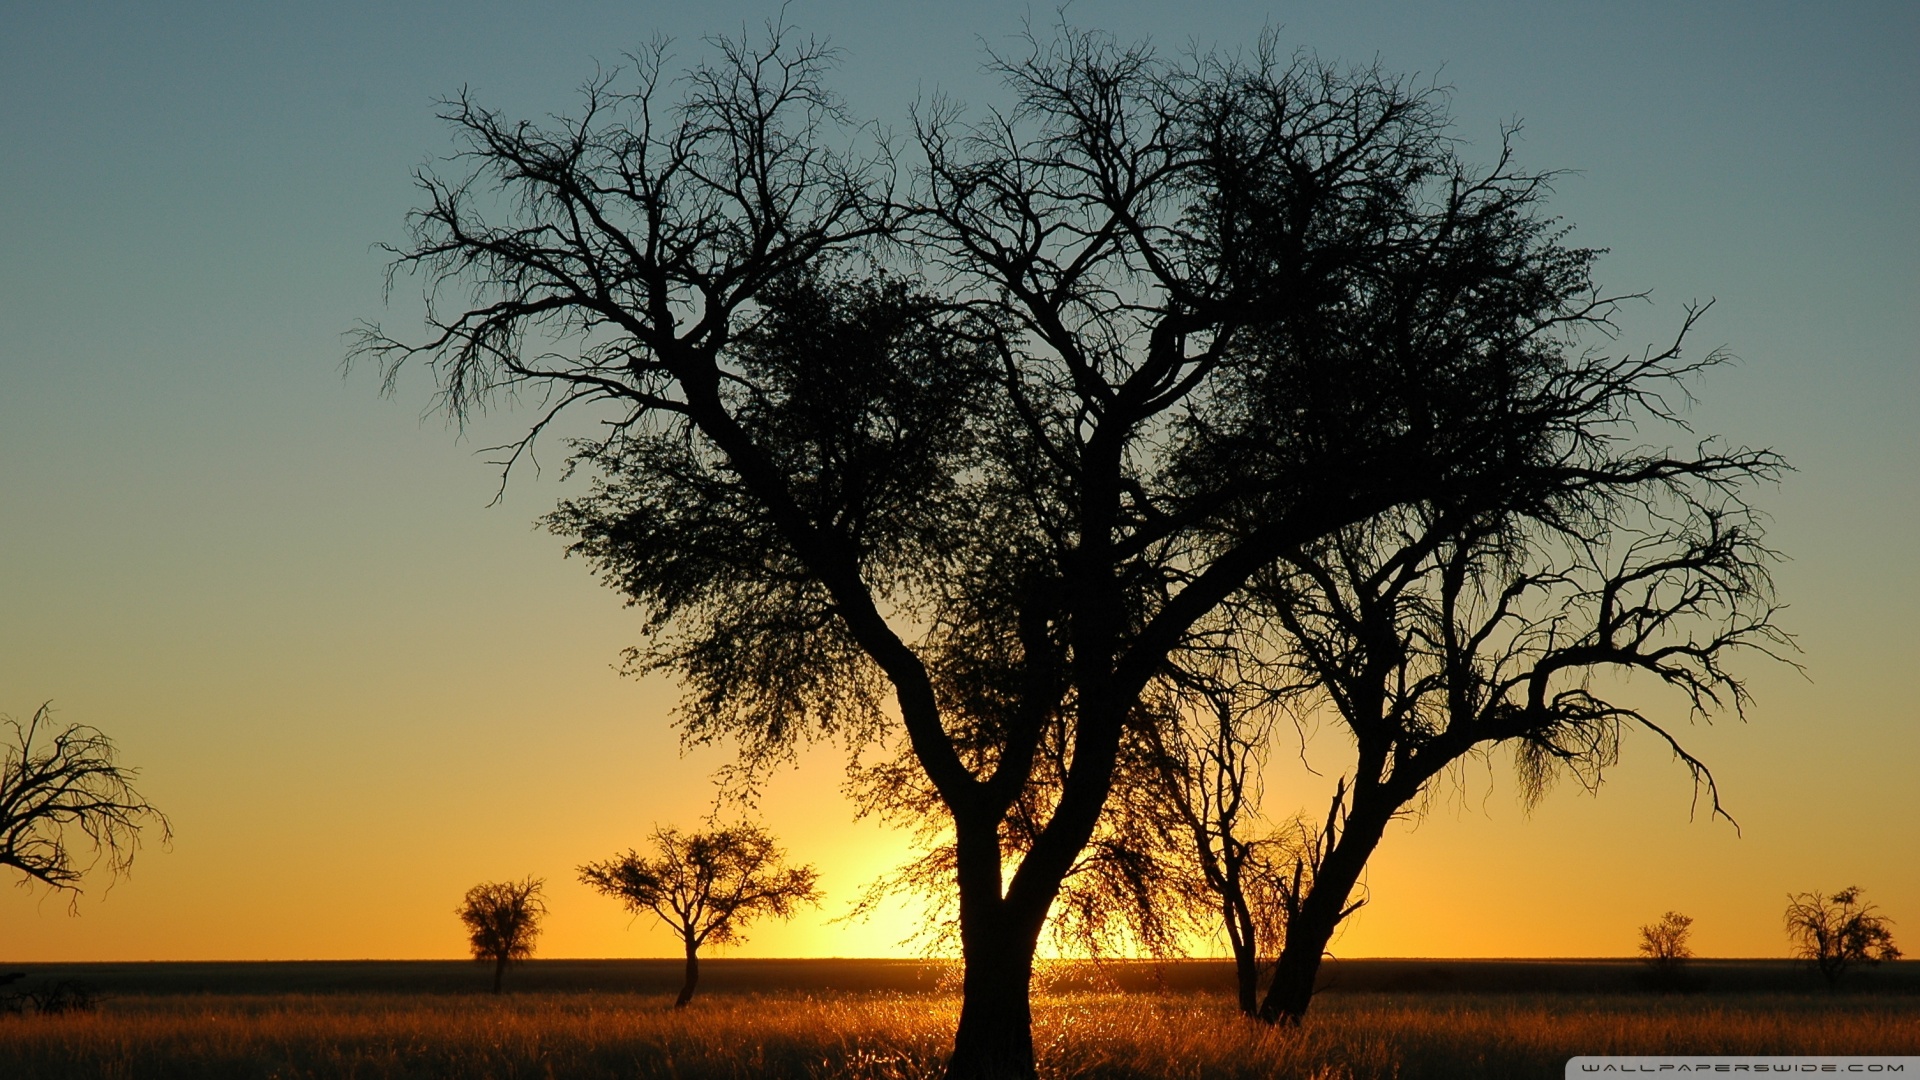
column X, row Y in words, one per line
column 1839, row 932
column 1047, row 459
column 880, row 1020
column 1666, row 949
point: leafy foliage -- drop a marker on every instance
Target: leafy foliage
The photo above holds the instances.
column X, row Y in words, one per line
column 865, row 398
column 1665, row 949
column 1663, row 944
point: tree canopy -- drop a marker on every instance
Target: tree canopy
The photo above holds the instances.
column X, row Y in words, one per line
column 972, row 438
column 503, row 921
column 1838, row 932
column 707, row 886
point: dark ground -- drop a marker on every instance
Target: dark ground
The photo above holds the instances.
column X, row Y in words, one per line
column 723, row 976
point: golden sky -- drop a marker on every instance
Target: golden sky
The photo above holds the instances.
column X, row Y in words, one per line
column 357, row 689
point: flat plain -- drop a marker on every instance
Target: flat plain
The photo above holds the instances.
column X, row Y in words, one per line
column 893, row 1019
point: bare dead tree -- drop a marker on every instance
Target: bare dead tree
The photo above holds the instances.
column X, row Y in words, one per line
column 54, row 784
column 502, row 920
column 707, row 887
column 978, row 458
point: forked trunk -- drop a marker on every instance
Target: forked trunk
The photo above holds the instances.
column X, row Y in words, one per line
column 998, row 933
column 1326, row 904
column 692, row 978
column 1293, row 978
column 995, row 1036
column 1000, row 929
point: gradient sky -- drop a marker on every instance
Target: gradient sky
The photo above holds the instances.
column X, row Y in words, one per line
column 358, row 689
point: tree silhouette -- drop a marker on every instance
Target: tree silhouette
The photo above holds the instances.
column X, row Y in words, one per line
column 1210, row 734
column 502, row 920
column 1182, row 851
column 1664, row 947
column 55, row 783
column 975, row 443
column 706, row 887
column 1454, row 629
column 1837, row 932
column 1132, row 890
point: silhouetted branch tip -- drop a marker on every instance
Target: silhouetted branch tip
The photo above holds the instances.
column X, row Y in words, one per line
column 55, row 783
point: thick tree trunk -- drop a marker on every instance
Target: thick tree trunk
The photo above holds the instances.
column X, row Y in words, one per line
column 998, row 934
column 1293, row 978
column 1000, row 929
column 1309, row 931
column 995, row 1036
column 692, row 978
column 499, row 971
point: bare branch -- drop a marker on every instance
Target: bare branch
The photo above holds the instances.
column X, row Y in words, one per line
column 56, row 783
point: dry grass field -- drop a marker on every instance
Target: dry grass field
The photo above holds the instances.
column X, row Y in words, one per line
column 339, row 1021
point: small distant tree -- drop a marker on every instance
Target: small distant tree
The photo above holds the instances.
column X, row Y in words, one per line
column 1664, row 947
column 1836, row 932
column 706, row 886
column 502, row 919
column 54, row 784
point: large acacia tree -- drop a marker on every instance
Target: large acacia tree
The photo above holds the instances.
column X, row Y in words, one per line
column 964, row 440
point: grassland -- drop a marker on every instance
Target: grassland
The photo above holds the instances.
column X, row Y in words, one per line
column 880, row 1020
